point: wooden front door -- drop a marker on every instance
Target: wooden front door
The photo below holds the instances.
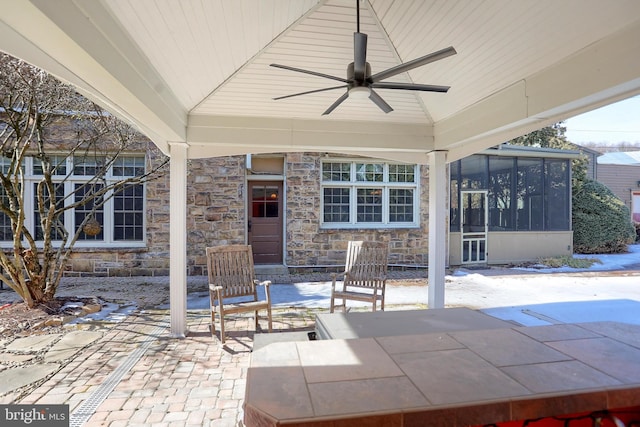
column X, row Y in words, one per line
column 265, row 221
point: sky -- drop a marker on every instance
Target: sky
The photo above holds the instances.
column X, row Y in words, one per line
column 610, row 125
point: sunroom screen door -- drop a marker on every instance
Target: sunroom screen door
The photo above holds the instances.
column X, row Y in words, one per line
column 474, row 226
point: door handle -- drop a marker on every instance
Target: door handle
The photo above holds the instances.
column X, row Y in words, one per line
column 249, row 226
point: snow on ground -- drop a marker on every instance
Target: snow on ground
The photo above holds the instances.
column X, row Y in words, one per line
column 607, row 262
column 480, row 291
column 603, row 292
column 527, row 296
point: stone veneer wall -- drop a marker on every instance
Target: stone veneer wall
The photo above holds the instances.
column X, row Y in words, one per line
column 216, row 212
column 215, row 207
column 308, row 245
column 215, row 216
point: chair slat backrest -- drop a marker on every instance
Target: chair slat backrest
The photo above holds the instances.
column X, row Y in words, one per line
column 232, row 268
column 366, row 264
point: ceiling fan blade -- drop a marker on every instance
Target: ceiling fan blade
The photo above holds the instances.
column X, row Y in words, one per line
column 313, row 73
column 310, row 91
column 411, row 86
column 418, row 62
column 359, row 56
column 335, row 104
column 377, row 99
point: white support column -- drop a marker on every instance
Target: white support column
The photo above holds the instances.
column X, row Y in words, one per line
column 178, row 239
column 437, row 227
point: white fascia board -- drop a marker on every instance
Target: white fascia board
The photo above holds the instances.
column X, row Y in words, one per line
column 203, row 151
column 86, row 47
column 600, row 74
column 242, row 135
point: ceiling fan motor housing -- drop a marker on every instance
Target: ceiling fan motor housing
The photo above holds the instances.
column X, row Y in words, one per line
column 360, row 83
column 351, row 76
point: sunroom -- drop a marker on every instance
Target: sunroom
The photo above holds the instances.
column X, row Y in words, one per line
column 510, row 204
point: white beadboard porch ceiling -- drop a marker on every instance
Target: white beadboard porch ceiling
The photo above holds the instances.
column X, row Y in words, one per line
column 198, row 70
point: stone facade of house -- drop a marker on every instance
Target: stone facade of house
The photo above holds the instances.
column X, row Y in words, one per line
column 217, row 215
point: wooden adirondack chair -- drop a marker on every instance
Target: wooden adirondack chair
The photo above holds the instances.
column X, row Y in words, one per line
column 231, row 275
column 365, row 275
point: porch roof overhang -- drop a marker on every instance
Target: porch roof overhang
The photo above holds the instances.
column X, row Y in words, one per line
column 198, row 72
column 194, row 76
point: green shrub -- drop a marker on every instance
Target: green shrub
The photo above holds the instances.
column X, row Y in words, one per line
column 569, row 261
column 601, row 221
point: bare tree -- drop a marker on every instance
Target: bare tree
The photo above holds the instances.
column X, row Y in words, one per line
column 35, row 109
column 554, row 137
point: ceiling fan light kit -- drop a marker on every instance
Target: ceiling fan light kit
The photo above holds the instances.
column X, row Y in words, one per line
column 359, row 92
column 360, row 83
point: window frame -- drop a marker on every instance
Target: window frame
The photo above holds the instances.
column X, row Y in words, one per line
column 69, row 181
column 483, row 166
column 385, row 185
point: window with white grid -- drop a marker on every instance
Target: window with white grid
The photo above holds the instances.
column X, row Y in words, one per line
column 369, row 194
column 121, row 217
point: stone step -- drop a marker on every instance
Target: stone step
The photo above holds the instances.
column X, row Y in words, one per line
column 264, row 339
column 271, row 269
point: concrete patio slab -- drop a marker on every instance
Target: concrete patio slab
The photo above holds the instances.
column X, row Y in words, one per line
column 13, row 378
column 17, row 358
column 70, row 344
column 261, row 340
column 32, row 343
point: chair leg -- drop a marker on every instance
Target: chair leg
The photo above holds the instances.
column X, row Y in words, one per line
column 269, row 319
column 333, row 302
column 222, row 340
column 213, row 322
column 255, row 316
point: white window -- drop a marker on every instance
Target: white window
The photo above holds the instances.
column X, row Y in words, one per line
column 121, row 218
column 369, row 194
column 635, row 206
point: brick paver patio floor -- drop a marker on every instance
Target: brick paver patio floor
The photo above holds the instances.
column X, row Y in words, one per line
column 138, row 375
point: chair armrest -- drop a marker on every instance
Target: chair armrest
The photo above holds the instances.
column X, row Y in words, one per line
column 267, row 290
column 263, row 283
column 334, row 278
column 215, row 294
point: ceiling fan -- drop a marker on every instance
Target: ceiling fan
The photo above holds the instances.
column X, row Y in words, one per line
column 360, row 83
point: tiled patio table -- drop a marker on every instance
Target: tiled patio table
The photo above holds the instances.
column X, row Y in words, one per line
column 449, row 378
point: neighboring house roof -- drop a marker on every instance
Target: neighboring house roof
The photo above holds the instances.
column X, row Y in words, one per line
column 620, row 158
column 587, row 150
